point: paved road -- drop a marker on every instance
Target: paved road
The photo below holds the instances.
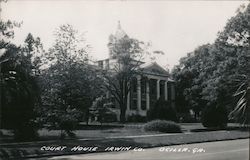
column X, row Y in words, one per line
column 223, row 150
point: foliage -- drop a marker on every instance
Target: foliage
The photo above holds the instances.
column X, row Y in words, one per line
column 237, row 35
column 162, row 110
column 34, row 48
column 70, row 84
column 122, row 46
column 213, row 72
column 101, row 109
column 19, row 88
column 128, row 52
column 7, row 32
column 108, row 117
column 163, row 126
column 189, row 76
column 136, row 118
column 186, row 118
column 241, row 112
column 214, row 116
column 69, row 47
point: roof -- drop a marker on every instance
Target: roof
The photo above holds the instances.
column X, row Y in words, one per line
column 154, row 68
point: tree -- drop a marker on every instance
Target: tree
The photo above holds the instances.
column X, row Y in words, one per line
column 233, row 44
column 34, row 49
column 214, row 72
column 128, row 53
column 162, row 110
column 237, row 35
column 190, row 76
column 102, row 110
column 214, row 116
column 70, row 84
column 18, row 86
column 241, row 111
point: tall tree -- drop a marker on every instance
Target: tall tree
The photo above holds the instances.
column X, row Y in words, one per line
column 70, row 84
column 18, row 86
column 236, row 42
column 127, row 53
column 34, row 49
column 190, row 75
column 221, row 68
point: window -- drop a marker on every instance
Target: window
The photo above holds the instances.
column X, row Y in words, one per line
column 100, row 64
column 134, row 105
column 134, row 85
column 152, row 87
column 143, row 105
column 169, row 91
column 107, row 64
column 143, row 86
column 162, row 86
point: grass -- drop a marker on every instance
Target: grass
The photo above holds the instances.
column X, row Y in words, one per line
column 105, row 137
column 108, row 130
column 34, row 149
column 85, row 132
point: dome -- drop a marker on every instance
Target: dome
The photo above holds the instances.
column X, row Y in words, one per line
column 119, row 32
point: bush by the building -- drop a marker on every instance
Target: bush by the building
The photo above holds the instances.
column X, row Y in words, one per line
column 186, row 118
column 214, row 116
column 136, row 118
column 163, row 126
column 162, row 110
column 108, row 117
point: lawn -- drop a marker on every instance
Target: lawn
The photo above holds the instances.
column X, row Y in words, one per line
column 87, row 132
column 22, row 150
column 107, row 135
column 109, row 130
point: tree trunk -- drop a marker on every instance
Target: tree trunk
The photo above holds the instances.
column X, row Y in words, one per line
column 87, row 117
column 195, row 116
column 122, row 114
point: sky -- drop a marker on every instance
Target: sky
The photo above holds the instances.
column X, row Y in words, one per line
column 174, row 27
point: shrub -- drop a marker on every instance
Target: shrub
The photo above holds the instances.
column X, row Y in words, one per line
column 26, row 132
column 136, row 118
column 108, row 117
column 214, row 116
column 163, row 126
column 186, row 118
column 162, row 110
column 64, row 120
column 102, row 109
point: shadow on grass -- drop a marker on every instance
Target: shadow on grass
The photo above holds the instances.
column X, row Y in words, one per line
column 98, row 127
column 239, row 128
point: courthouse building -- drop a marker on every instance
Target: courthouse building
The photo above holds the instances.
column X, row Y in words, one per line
column 153, row 83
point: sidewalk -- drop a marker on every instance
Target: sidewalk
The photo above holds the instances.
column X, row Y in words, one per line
column 31, row 150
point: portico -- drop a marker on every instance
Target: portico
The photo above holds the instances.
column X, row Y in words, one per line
column 147, row 88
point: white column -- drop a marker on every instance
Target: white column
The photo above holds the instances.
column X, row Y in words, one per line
column 147, row 94
column 158, row 89
column 138, row 93
column 166, row 90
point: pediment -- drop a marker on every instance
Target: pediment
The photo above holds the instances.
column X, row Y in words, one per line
column 155, row 68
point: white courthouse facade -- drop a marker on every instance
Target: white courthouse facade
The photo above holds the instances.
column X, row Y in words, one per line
column 153, row 83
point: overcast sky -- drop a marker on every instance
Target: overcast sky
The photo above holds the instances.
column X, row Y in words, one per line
column 175, row 27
